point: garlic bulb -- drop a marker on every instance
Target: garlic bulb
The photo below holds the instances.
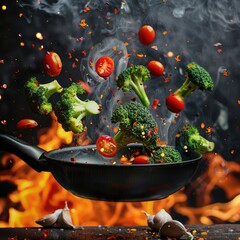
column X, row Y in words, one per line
column 175, row 229
column 156, row 221
column 61, row 218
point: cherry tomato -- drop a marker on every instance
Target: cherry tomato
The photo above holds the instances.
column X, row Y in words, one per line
column 146, row 35
column 106, row 146
column 141, row 159
column 52, row 64
column 156, row 68
column 27, row 123
column 174, row 103
column 104, row 66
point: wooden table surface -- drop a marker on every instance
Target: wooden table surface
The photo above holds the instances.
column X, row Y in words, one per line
column 200, row 232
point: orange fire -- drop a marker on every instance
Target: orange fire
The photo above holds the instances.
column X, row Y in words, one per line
column 38, row 194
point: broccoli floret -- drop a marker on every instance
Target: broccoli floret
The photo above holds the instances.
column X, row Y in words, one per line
column 189, row 139
column 134, row 78
column 136, row 125
column 165, row 154
column 197, row 78
column 38, row 94
column 70, row 110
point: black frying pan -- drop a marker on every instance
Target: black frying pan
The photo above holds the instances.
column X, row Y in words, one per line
column 94, row 177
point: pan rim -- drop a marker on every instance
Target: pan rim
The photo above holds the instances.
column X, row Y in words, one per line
column 93, row 146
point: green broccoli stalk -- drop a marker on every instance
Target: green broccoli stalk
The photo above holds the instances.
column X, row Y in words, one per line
column 165, row 154
column 70, row 110
column 197, row 78
column 134, row 78
column 136, row 125
column 188, row 139
column 38, row 94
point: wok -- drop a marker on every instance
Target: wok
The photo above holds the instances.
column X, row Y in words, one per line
column 94, row 177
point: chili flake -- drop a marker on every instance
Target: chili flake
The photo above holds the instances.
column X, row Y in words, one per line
column 87, row 9
column 140, row 55
column 225, row 72
column 155, row 103
column 177, row 58
column 44, row 234
column 83, row 23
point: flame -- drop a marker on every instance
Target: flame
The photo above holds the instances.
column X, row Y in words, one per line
column 38, row 194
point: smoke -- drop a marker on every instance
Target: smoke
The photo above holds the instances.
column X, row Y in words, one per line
column 200, row 31
column 104, row 89
column 224, row 13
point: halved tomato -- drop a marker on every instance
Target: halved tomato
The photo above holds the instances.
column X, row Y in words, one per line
column 106, row 146
column 104, row 66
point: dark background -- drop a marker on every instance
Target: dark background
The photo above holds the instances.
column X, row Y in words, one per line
column 202, row 31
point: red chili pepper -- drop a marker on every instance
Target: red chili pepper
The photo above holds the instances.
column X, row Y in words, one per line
column 155, row 103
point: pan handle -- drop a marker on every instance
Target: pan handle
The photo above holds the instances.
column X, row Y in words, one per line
column 32, row 155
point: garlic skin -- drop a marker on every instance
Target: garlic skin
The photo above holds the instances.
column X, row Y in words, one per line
column 61, row 218
column 156, row 221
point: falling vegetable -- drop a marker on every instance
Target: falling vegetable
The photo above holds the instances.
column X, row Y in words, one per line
column 135, row 122
column 156, row 68
column 38, row 95
column 27, row 123
column 189, row 139
column 133, row 78
column 197, row 78
column 70, row 109
column 106, row 146
column 52, row 64
column 104, row 66
column 146, row 34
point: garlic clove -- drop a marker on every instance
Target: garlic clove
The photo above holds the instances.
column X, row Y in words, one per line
column 150, row 220
column 156, row 221
column 50, row 219
column 61, row 218
column 65, row 220
column 160, row 218
column 173, row 229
